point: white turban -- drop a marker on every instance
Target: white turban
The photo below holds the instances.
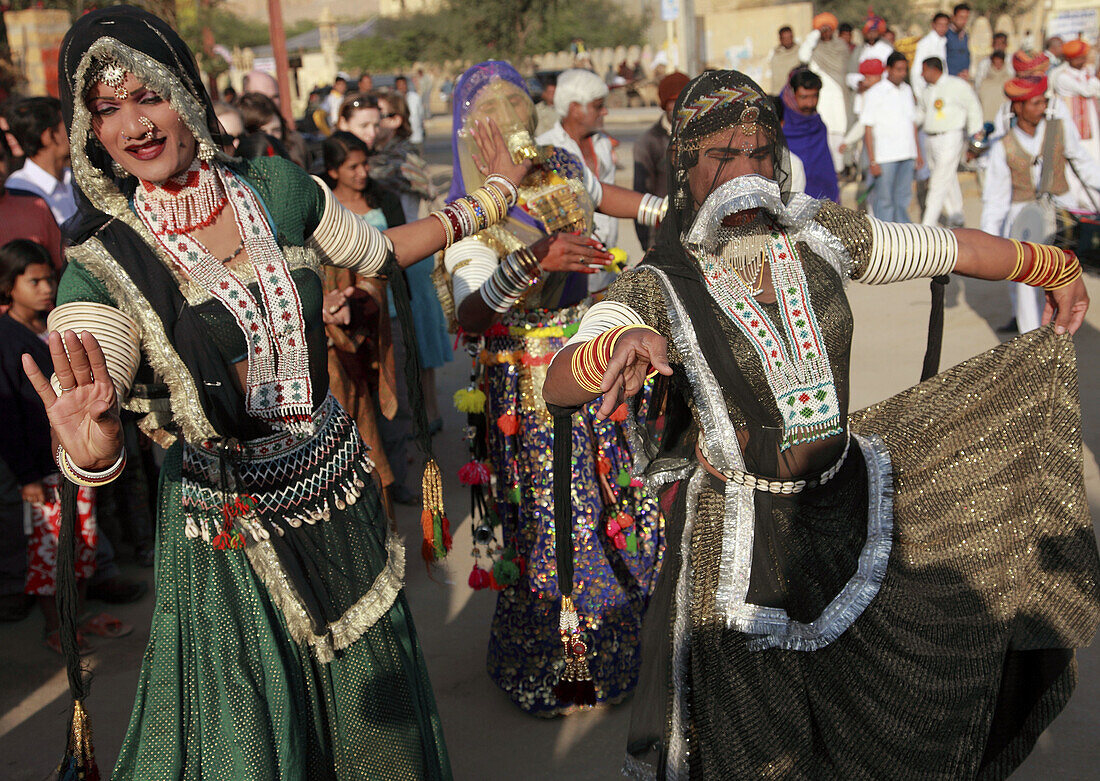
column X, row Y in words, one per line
column 577, row 85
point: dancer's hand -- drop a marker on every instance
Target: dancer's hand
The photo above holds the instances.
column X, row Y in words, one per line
column 570, row 252
column 494, row 157
column 636, row 351
column 335, row 309
column 1071, row 303
column 85, row 416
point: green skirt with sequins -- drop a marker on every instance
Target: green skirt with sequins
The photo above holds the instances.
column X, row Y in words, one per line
column 225, row 693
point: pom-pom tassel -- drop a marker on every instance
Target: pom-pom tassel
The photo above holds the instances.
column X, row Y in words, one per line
column 79, row 763
column 469, row 400
column 433, row 518
column 479, row 578
column 575, row 687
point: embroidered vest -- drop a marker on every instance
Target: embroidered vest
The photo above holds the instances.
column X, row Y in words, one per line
column 1020, row 160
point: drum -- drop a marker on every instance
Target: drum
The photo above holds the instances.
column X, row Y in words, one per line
column 1035, row 222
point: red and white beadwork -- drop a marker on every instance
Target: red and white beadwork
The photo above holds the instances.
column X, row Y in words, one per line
column 278, row 390
column 797, row 366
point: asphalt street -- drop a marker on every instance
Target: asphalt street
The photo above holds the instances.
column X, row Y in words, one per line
column 487, row 737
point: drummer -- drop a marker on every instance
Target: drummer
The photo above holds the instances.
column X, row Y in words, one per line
column 1024, row 165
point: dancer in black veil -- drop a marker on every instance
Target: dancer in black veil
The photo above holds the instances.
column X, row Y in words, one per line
column 891, row 592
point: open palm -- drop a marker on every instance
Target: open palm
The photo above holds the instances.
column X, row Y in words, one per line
column 84, row 416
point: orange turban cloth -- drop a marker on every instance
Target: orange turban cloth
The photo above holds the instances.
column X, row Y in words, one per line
column 825, row 19
column 1026, row 62
column 1073, row 49
column 1025, row 87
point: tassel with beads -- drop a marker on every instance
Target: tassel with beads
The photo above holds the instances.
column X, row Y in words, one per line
column 79, row 763
column 575, row 687
column 434, row 525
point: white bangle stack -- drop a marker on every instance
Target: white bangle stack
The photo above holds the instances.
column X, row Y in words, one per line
column 347, row 241
column 75, row 474
column 651, row 210
column 516, row 273
column 901, row 251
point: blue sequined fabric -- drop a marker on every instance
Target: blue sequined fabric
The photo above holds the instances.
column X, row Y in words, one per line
column 611, row 584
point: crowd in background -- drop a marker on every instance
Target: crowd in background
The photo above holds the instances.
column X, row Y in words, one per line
column 854, row 109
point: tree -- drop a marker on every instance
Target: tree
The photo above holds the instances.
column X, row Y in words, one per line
column 504, row 29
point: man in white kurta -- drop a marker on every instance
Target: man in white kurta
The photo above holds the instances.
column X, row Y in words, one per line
column 934, row 44
column 949, row 112
column 999, row 210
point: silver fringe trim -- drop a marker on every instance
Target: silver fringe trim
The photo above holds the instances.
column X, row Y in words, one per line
column 864, row 585
column 740, row 510
column 797, row 215
column 358, row 618
column 637, row 769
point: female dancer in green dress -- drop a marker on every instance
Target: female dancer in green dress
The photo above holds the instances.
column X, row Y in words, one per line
column 281, row 645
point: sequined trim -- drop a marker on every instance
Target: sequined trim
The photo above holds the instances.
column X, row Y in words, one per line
column 345, row 630
column 740, row 517
column 863, row 586
column 158, row 351
column 798, row 216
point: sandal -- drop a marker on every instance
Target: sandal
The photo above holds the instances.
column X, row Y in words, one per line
column 53, row 642
column 106, row 625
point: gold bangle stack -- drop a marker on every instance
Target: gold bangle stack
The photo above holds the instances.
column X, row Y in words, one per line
column 1051, row 267
column 590, row 360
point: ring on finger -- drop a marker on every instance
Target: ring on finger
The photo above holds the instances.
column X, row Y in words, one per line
column 333, row 309
column 66, row 390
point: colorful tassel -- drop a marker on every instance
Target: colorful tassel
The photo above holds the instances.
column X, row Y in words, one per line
column 514, row 495
column 619, row 415
column 575, row 687
column 434, row 525
column 474, row 473
column 479, row 578
column 508, row 424
column 505, row 572
column 79, row 763
column 624, row 478
column 469, row 400
column 603, row 465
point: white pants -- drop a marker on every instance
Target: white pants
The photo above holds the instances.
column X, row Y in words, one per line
column 835, row 141
column 944, row 194
column 1029, row 303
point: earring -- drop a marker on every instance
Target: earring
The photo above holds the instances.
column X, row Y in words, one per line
column 206, row 151
column 119, row 171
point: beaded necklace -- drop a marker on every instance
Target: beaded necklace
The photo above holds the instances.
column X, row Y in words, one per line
column 797, row 366
column 279, row 389
column 187, row 201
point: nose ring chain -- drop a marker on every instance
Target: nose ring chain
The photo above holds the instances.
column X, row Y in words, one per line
column 149, row 128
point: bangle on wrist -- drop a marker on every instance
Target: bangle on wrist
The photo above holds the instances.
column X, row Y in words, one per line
column 75, row 474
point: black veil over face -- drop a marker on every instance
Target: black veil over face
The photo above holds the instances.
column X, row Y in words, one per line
column 146, row 46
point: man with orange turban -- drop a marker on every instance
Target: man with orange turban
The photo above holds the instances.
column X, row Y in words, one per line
column 827, row 55
column 1077, row 86
column 874, row 47
column 1014, row 172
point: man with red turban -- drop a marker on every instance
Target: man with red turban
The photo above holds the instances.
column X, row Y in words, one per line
column 827, row 55
column 1014, row 175
column 1077, row 86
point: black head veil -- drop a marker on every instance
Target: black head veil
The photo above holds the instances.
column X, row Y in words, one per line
column 148, row 47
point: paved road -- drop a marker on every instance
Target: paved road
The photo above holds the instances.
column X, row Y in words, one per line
column 487, row 737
